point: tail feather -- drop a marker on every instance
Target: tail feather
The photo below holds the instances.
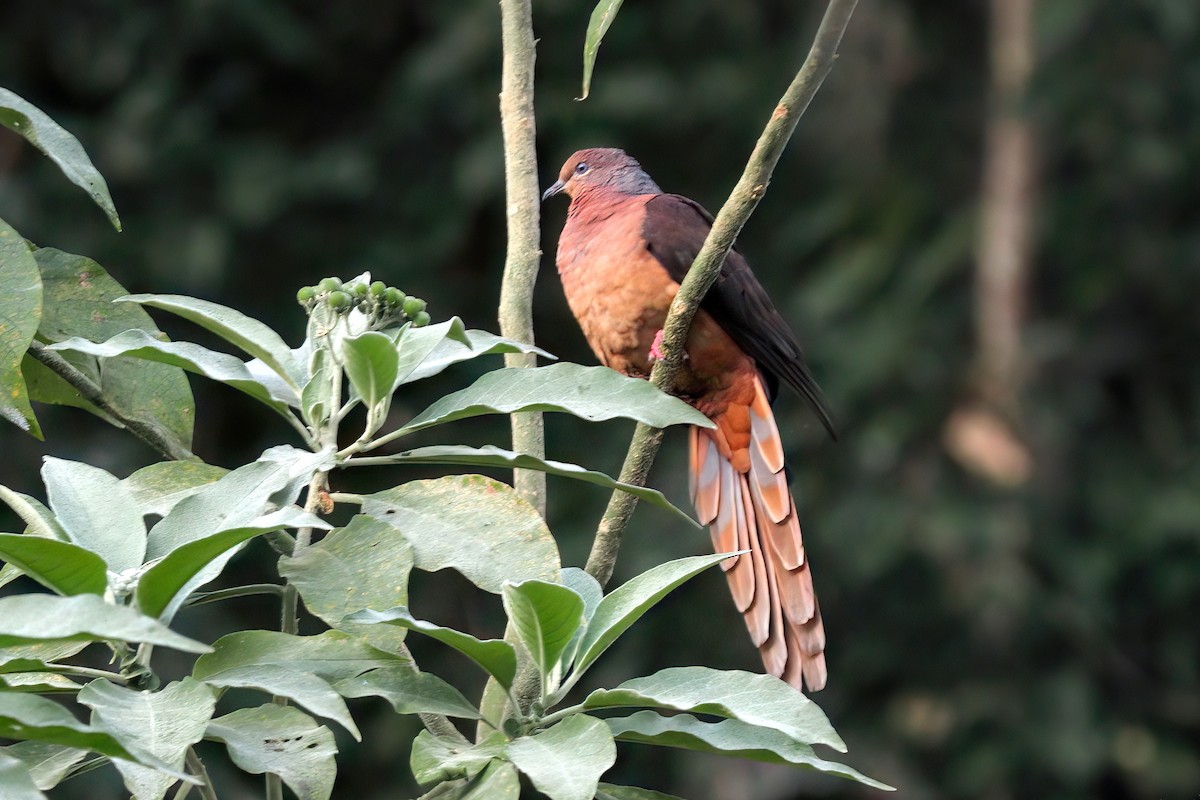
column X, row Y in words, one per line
column 754, row 510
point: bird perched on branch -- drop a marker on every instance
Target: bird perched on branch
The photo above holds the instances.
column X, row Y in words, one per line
column 624, row 250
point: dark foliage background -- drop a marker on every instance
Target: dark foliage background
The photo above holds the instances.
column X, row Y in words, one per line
column 984, row 642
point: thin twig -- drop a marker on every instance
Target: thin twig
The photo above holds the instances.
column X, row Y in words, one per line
column 89, row 391
column 707, row 266
column 523, row 212
column 207, row 791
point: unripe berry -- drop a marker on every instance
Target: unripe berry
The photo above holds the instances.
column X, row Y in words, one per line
column 360, row 290
column 330, row 284
column 338, row 300
column 393, row 296
column 305, row 294
column 378, row 288
column 414, row 306
column 420, row 319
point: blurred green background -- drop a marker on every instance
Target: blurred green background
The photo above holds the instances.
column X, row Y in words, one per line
column 986, row 640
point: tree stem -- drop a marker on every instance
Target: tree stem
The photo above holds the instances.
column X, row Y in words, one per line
column 707, row 266
column 522, row 211
column 89, row 391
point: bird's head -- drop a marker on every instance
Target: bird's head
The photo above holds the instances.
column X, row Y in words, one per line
column 601, row 167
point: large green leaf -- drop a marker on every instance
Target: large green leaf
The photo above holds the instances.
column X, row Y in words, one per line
column 30, row 618
column 566, row 761
column 156, row 488
column 546, row 616
column 60, row 566
column 237, row 499
column 163, row 723
column 363, row 565
column 470, row 523
column 20, row 311
column 214, row 365
column 165, row 581
column 38, row 682
column 371, row 363
column 496, row 656
column 284, row 741
column 25, row 716
column 79, row 297
column 436, row 759
column 490, row 456
column 497, row 781
column 332, row 656
column 593, row 393
column 409, row 692
column 626, row 604
column 761, row 700
column 601, row 19
column 47, row 763
column 96, row 511
column 308, row 690
column 414, row 345
column 591, row 593
column 63, row 149
column 729, row 737
column 38, row 519
column 16, row 783
column 481, row 343
column 243, row 332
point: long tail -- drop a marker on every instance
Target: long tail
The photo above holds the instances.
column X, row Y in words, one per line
column 754, row 510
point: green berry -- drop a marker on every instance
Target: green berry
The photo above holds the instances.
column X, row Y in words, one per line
column 393, row 296
column 378, row 288
column 338, row 299
column 305, row 294
column 330, row 284
column 360, row 290
column 420, row 319
column 414, row 306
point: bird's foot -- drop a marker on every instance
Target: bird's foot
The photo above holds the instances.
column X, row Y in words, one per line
column 656, row 351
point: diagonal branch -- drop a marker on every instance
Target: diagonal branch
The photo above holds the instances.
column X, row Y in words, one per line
column 707, row 266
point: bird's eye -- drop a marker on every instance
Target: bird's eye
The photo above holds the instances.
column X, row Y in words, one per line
column 581, row 168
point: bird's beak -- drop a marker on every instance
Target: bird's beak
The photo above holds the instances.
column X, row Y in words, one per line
column 555, row 188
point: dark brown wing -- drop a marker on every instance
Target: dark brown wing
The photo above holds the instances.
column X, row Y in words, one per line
column 674, row 230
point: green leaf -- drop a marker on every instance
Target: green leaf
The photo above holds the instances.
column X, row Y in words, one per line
column 589, row 590
column 284, row 741
column 38, row 682
column 164, row 723
column 38, row 519
column 490, row 456
column 566, row 761
column 435, row 759
column 26, row 716
column 371, row 363
column 497, row 781
column 317, row 394
column 96, row 511
column 47, row 763
column 36, row 655
column 165, row 581
column 761, row 700
column 729, row 737
column 78, row 302
column 157, row 488
column 593, row 393
column 415, row 344
column 470, row 523
column 220, row 367
column 308, row 690
column 47, row 386
column 63, row 149
column 496, row 656
column 20, row 310
column 30, row 618
column 409, row 692
column 602, row 17
column 59, row 566
column 626, row 604
column 612, row 791
column 481, row 343
column 243, row 332
column 237, row 499
column 546, row 616
column 363, row 565
column 332, row 656
column 15, row 781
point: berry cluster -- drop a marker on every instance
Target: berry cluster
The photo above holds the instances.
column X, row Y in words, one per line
column 382, row 304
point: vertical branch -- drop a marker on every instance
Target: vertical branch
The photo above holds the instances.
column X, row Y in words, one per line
column 707, row 266
column 982, row 434
column 523, row 214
